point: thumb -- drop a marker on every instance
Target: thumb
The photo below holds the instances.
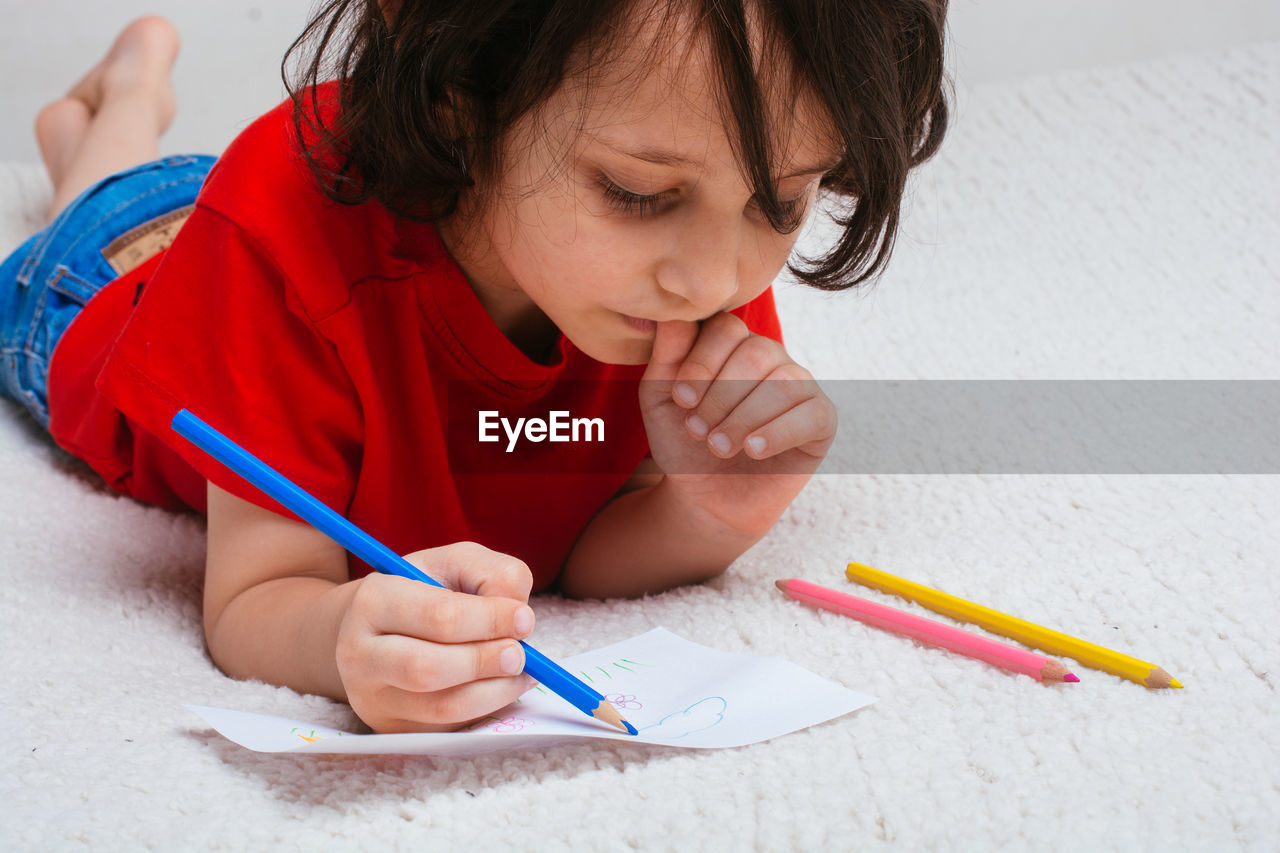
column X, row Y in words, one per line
column 672, row 341
column 476, row 570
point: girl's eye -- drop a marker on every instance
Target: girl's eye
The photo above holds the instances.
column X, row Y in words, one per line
column 630, row 203
column 642, row 205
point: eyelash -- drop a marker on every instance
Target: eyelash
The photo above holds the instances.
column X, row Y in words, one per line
column 635, row 204
column 632, row 204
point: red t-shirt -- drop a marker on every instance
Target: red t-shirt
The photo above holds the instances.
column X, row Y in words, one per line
column 333, row 342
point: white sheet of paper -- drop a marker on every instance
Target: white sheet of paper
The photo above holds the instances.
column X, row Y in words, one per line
column 675, row 692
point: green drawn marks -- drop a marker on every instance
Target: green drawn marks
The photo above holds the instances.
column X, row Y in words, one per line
column 587, row 678
column 603, row 674
column 609, row 675
column 311, row 738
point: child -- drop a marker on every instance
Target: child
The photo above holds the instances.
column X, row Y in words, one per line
column 504, row 208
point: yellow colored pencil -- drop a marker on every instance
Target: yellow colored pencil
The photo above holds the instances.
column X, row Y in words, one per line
column 1054, row 642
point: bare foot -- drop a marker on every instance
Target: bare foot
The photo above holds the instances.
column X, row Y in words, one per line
column 114, row 116
column 139, row 63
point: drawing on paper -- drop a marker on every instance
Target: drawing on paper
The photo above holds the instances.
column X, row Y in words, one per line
column 603, row 674
column 623, row 701
column 697, row 717
column 657, row 677
column 509, row 724
column 313, row 737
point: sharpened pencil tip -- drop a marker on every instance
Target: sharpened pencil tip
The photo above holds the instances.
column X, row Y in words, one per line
column 782, row 585
column 1173, row 682
column 605, row 712
column 1071, row 678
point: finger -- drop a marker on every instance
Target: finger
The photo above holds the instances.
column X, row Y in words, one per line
column 809, row 427
column 717, row 340
column 425, row 667
column 450, row 708
column 671, row 343
column 393, row 605
column 754, row 359
column 761, row 405
column 471, row 567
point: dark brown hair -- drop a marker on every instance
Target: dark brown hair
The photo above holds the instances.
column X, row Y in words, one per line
column 405, row 78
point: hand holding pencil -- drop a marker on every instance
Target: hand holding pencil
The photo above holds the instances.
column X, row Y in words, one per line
column 306, row 506
column 413, row 657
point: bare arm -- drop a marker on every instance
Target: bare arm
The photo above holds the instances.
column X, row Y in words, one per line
column 275, row 593
column 278, row 607
column 738, row 443
column 643, row 541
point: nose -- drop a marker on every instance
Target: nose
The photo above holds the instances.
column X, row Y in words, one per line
column 703, row 268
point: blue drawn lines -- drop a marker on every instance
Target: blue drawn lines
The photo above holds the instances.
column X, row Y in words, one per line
column 697, row 717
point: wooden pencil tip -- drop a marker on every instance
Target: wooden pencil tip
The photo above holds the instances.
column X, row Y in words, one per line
column 782, row 585
column 1173, row 682
column 606, row 713
column 1071, row 678
column 1054, row 672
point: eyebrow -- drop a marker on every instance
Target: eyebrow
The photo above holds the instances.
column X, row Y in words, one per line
column 661, row 157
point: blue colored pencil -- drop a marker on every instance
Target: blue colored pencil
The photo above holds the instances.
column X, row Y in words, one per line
column 301, row 503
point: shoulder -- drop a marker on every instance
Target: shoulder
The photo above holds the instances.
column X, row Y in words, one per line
column 263, row 187
column 262, row 174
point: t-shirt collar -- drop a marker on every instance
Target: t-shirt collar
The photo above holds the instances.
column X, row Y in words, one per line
column 453, row 311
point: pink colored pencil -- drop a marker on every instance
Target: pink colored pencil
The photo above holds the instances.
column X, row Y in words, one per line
column 928, row 631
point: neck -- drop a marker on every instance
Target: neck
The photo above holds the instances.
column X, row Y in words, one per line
column 514, row 313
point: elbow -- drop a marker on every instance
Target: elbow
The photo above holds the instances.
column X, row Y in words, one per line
column 215, row 646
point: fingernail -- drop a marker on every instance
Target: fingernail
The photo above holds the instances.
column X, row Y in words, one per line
column 720, row 442
column 756, row 443
column 696, row 425
column 524, row 620
column 511, row 660
column 530, row 682
column 685, row 394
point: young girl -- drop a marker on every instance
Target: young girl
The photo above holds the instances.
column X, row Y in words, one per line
column 500, row 210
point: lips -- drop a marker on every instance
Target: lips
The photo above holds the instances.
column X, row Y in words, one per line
column 639, row 323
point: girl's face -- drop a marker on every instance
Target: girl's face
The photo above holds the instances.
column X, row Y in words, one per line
column 626, row 207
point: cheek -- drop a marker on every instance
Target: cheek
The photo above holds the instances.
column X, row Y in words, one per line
column 529, row 240
column 761, row 267
column 599, row 257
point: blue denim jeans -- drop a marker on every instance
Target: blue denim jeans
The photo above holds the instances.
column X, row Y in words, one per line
column 50, row 277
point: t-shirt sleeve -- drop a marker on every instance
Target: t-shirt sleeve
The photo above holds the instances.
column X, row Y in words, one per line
column 221, row 331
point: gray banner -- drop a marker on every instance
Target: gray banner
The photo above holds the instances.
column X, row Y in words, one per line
column 907, row 427
column 1056, row 427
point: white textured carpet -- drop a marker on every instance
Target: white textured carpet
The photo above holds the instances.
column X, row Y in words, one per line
column 1120, row 223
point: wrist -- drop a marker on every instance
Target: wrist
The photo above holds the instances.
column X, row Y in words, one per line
column 693, row 515
column 284, row 631
column 708, row 509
